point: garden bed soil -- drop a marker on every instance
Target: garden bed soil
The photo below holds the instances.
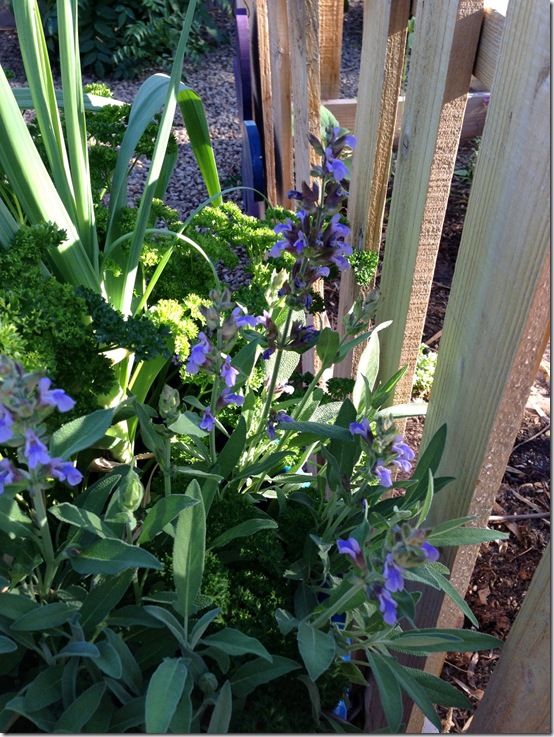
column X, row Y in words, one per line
column 503, row 570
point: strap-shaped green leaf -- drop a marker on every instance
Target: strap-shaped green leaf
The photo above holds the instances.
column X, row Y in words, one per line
column 189, row 550
column 163, row 694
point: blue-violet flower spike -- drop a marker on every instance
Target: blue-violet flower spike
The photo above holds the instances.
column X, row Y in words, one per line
column 361, row 428
column 54, row 397
column 383, row 474
column 65, row 471
column 387, row 606
column 207, row 422
column 229, row 373
column 6, row 422
column 35, row 450
column 7, row 475
column 394, row 580
column 431, row 553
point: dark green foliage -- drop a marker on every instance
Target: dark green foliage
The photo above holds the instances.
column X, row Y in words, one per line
column 364, row 265
column 126, row 37
column 138, row 334
column 44, row 324
column 339, row 389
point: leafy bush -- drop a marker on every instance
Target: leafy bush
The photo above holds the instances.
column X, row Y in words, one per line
column 424, row 372
column 126, row 37
column 214, row 582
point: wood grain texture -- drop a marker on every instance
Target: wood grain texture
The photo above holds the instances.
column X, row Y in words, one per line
column 489, row 44
column 474, row 117
column 443, row 53
column 383, row 43
column 331, row 14
column 517, row 699
column 265, row 121
column 497, row 320
column 281, row 106
column 303, row 22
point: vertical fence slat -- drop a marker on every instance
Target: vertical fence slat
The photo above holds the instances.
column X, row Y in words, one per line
column 497, row 321
column 281, row 112
column 266, row 109
column 303, row 19
column 443, row 52
column 331, row 13
column 517, row 699
column 384, row 40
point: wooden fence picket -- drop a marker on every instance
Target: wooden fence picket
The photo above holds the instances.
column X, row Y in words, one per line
column 331, row 14
column 444, row 46
column 497, row 320
column 383, row 44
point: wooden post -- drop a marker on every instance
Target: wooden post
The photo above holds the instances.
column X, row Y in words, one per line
column 281, row 111
column 303, row 18
column 303, row 21
column 331, row 13
column 442, row 60
column 265, row 113
column 497, row 321
column 384, row 40
column 517, row 699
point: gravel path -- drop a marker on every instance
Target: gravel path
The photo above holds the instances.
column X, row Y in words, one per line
column 213, row 79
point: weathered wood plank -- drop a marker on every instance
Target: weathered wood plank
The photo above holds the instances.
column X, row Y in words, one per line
column 331, row 13
column 489, row 43
column 383, row 43
column 265, row 97
column 474, row 117
column 522, row 704
column 281, row 107
column 303, row 23
column 497, row 321
column 443, row 51
column 303, row 19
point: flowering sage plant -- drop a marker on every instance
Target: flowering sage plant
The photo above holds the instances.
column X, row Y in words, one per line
column 266, row 546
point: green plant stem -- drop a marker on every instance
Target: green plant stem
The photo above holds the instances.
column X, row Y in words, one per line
column 337, row 606
column 166, row 470
column 274, row 376
column 37, row 495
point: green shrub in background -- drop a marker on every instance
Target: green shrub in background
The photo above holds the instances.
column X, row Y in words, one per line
column 126, row 37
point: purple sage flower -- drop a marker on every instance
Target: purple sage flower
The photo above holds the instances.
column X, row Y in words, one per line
column 7, row 474
column 266, row 355
column 350, row 547
column 394, row 578
column 361, row 428
column 228, row 397
column 430, row 551
column 54, row 397
column 6, row 422
column 404, row 454
column 207, row 422
column 198, row 354
column 383, row 474
column 387, row 605
column 65, row 471
column 243, row 320
column 276, row 419
column 35, row 450
column 229, row 373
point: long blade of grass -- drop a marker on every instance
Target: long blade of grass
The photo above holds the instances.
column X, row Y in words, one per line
column 194, row 118
column 124, row 299
column 75, row 124
column 43, row 97
column 37, row 193
column 148, row 102
column 92, row 102
column 8, row 225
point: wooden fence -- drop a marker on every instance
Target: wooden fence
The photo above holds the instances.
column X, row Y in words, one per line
column 497, row 319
